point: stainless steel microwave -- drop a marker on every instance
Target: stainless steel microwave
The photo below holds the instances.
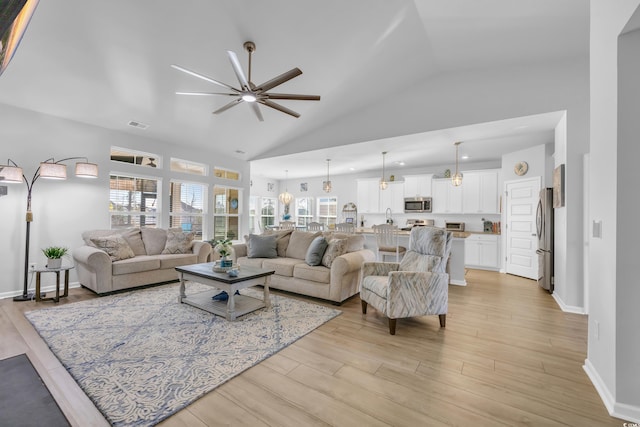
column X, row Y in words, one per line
column 417, row 205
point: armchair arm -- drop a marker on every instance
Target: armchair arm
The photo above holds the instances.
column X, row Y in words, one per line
column 379, row 268
column 202, row 249
column 345, row 274
column 428, row 293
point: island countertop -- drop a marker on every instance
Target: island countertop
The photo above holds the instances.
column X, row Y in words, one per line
column 456, row 234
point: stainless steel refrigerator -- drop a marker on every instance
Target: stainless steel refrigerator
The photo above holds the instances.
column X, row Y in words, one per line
column 544, row 229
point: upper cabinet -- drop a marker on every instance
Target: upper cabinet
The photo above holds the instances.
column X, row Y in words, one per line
column 373, row 200
column 417, row 185
column 447, row 198
column 480, row 192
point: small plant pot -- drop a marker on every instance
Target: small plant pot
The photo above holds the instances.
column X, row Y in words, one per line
column 224, row 262
column 54, row 262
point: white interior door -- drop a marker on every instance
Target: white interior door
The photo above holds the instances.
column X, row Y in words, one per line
column 521, row 238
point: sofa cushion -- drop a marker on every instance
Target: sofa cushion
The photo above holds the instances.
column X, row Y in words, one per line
column 299, row 243
column 336, row 248
column 154, row 240
column 262, row 246
column 250, row 262
column 178, row 242
column 134, row 239
column 115, row 246
column 135, row 265
column 176, row 260
column 355, row 242
column 282, row 266
column 320, row 273
column 283, row 240
column 316, row 251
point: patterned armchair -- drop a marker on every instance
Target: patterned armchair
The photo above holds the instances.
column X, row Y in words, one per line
column 416, row 286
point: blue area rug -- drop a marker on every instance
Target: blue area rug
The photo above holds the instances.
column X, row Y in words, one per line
column 142, row 356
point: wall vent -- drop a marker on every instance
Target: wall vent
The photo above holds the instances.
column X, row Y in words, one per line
column 138, row 125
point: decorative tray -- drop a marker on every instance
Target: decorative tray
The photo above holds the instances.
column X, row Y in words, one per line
column 218, row 269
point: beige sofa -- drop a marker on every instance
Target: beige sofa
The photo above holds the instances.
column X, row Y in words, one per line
column 292, row 273
column 112, row 260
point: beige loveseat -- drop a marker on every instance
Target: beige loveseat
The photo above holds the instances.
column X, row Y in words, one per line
column 292, row 272
column 112, row 260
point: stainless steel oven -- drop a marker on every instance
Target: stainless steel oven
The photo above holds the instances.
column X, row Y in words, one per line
column 417, row 205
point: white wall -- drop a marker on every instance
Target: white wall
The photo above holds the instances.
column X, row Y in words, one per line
column 612, row 374
column 62, row 210
column 536, row 158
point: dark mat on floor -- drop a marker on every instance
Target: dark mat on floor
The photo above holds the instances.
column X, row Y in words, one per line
column 24, row 399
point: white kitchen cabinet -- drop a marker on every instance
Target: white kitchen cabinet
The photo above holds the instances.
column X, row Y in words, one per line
column 368, row 195
column 447, row 198
column 393, row 198
column 482, row 251
column 417, row 185
column 480, row 192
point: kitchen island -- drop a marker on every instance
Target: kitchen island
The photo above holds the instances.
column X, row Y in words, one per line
column 455, row 266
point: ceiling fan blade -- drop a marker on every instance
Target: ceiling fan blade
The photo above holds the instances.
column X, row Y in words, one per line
column 203, row 77
column 205, row 93
column 290, row 96
column 227, row 106
column 256, row 110
column 278, row 107
column 276, row 81
column 244, row 83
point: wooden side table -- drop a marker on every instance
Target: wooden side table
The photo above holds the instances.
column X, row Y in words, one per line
column 65, row 269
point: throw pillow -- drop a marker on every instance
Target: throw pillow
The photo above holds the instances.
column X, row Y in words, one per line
column 283, row 240
column 115, row 246
column 316, row 251
column 134, row 239
column 299, row 243
column 154, row 239
column 178, row 242
column 262, row 246
column 336, row 248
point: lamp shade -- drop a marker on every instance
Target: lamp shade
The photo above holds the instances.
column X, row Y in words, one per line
column 53, row 170
column 86, row 170
column 10, row 173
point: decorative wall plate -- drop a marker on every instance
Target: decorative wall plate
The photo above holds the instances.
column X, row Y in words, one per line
column 521, row 168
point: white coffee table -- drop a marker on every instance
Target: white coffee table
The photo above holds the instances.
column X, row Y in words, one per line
column 236, row 305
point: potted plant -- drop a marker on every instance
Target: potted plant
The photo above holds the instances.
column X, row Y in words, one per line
column 54, row 255
column 225, row 250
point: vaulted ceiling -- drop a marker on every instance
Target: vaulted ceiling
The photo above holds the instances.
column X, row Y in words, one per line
column 107, row 63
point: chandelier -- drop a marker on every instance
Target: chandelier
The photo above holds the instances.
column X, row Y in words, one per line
column 286, row 197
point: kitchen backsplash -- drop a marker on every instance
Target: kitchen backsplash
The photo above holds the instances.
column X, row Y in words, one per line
column 473, row 222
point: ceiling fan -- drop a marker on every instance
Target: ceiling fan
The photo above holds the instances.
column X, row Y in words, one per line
column 249, row 92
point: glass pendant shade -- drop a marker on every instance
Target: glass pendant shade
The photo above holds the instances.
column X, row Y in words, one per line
column 286, row 197
column 53, row 170
column 86, row 170
column 10, row 173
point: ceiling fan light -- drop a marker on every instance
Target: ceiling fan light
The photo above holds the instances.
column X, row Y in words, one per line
column 249, row 97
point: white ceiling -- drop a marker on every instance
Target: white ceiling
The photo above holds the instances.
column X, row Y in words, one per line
column 108, row 62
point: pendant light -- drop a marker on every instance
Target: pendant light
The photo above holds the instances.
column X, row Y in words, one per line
column 286, row 197
column 326, row 185
column 456, row 179
column 383, row 184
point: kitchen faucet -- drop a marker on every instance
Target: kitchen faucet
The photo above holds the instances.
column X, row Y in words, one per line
column 388, row 216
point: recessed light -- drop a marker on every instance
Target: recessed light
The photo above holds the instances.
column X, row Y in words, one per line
column 138, row 125
column 465, row 157
column 240, row 152
column 352, row 169
column 400, row 163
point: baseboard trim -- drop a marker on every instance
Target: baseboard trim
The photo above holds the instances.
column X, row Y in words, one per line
column 619, row 410
column 51, row 288
column 567, row 308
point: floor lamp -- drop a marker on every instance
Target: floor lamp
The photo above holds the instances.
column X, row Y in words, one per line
column 48, row 169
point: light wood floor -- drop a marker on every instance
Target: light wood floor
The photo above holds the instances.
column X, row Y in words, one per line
column 508, row 356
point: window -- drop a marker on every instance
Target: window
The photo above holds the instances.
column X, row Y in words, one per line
column 126, row 155
column 226, row 214
column 327, row 210
column 187, row 206
column 226, row 174
column 304, row 211
column 185, row 166
column 133, row 201
column 268, row 212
